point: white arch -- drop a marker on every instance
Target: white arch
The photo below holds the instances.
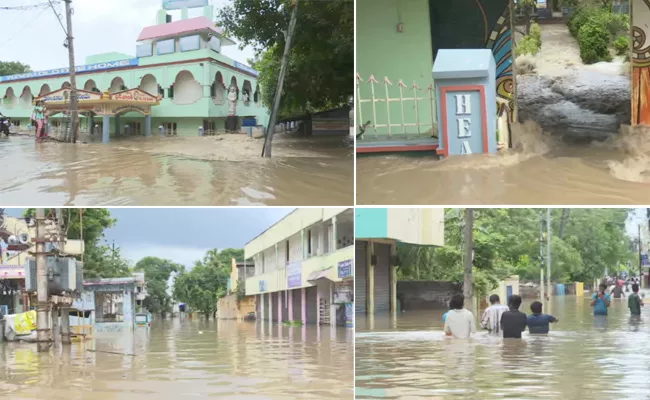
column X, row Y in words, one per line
column 186, row 89
column 149, row 84
column 116, row 85
column 257, row 97
column 45, row 89
column 26, row 97
column 247, row 92
column 233, row 82
column 66, row 85
column 90, row 85
column 219, row 89
column 10, row 100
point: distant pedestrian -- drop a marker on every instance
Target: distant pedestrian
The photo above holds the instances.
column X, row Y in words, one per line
column 600, row 301
column 537, row 322
column 460, row 322
column 492, row 315
column 634, row 302
column 513, row 321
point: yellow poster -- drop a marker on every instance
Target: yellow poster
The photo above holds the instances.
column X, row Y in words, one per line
column 25, row 323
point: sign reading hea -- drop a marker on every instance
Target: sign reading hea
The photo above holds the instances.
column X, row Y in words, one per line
column 465, row 82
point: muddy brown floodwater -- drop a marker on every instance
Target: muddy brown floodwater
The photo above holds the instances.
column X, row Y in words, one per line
column 174, row 361
column 544, row 170
column 225, row 170
column 583, row 357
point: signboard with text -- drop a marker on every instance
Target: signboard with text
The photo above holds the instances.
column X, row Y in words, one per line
column 294, row 275
column 63, row 95
column 133, row 62
column 12, row 272
column 262, row 286
column 345, row 269
column 134, row 95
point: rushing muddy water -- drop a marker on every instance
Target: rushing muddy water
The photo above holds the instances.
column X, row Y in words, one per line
column 581, row 358
column 187, row 360
column 176, row 172
column 543, row 170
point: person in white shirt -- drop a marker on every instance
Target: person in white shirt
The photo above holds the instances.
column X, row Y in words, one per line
column 460, row 322
column 492, row 316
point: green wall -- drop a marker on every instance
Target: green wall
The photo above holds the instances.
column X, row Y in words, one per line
column 384, row 52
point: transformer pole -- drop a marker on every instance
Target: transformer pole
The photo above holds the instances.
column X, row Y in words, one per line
column 42, row 318
column 268, row 140
column 64, row 308
column 74, row 102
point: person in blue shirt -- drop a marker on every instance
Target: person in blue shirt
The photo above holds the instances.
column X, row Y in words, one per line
column 537, row 322
column 600, row 301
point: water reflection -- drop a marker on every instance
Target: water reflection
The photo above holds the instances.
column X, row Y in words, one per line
column 175, row 171
column 187, row 359
column 582, row 357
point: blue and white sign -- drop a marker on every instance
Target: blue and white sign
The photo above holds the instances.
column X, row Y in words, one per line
column 180, row 4
column 246, row 68
column 294, row 275
column 262, row 286
column 345, row 269
column 133, row 62
column 644, row 259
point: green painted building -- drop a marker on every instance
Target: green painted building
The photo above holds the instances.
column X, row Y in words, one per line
column 179, row 61
column 397, row 43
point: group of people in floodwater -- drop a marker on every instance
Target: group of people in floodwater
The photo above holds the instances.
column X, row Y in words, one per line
column 509, row 322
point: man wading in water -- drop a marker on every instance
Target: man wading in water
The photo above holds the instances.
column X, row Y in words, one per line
column 492, row 316
column 600, row 301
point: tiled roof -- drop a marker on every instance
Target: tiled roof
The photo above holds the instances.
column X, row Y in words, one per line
column 175, row 28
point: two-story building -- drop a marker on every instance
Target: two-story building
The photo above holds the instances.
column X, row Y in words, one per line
column 183, row 82
column 304, row 268
column 378, row 231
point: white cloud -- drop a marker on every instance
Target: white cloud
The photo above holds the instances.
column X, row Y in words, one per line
column 35, row 37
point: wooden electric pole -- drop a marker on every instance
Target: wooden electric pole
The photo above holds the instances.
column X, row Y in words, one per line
column 74, row 106
column 268, row 140
column 468, row 242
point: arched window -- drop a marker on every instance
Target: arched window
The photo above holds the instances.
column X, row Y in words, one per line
column 45, row 89
column 247, row 92
column 90, row 85
column 149, row 84
column 117, row 85
column 218, row 90
column 186, row 89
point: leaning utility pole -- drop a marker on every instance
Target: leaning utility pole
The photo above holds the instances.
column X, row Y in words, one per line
column 74, row 114
column 268, row 140
column 42, row 318
column 468, row 259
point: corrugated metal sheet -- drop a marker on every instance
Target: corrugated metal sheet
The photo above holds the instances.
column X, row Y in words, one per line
column 382, row 277
column 360, row 274
column 312, row 305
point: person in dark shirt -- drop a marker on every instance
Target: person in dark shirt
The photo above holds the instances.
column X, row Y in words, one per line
column 513, row 322
column 538, row 322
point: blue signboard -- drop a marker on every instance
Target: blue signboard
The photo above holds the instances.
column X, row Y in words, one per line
column 294, row 275
column 246, row 68
column 133, row 62
column 262, row 286
column 644, row 259
column 180, row 4
column 345, row 269
column 349, row 315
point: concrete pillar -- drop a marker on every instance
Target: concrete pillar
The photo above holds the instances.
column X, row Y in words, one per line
column 280, row 307
column 271, row 307
column 290, row 305
column 117, row 125
column 334, row 232
column 262, row 306
column 65, row 325
column 56, row 328
column 332, row 306
column 393, row 289
column 303, row 294
column 302, row 244
column 106, row 129
column 317, row 306
column 147, row 125
column 371, row 280
column 184, row 13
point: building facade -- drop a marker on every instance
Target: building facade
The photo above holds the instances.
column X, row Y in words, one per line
column 378, row 231
column 304, row 268
column 180, row 62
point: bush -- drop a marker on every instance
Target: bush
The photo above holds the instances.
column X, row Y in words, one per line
column 616, row 24
column 527, row 45
column 536, row 33
column 622, row 45
column 579, row 17
column 594, row 39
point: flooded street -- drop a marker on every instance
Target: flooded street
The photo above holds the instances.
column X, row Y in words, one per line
column 582, row 357
column 173, row 360
column 176, row 172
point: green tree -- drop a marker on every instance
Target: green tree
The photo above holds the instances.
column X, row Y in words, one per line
column 202, row 286
column 321, row 64
column 13, row 68
column 157, row 272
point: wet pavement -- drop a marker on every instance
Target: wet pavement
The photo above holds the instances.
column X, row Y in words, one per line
column 582, row 357
column 175, row 172
column 186, row 360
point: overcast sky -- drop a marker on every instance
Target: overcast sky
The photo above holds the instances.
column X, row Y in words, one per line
column 35, row 37
column 184, row 235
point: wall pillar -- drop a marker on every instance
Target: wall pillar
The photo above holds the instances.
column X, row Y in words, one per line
column 334, row 233
column 318, row 305
column 393, row 282
column 371, row 280
column 332, row 306
column 271, row 307
column 147, row 125
column 290, row 305
column 280, row 307
column 117, row 125
column 262, row 307
column 303, row 294
column 106, row 129
column 65, row 324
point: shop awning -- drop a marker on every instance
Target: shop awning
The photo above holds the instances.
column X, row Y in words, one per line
column 327, row 273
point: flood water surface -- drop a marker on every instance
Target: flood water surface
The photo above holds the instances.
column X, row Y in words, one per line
column 186, row 360
column 582, row 357
column 225, row 170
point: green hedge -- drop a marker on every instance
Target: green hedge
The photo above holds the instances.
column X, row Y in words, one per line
column 594, row 40
column 596, row 29
column 622, row 45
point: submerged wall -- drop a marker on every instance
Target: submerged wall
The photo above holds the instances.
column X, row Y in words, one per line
column 229, row 307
